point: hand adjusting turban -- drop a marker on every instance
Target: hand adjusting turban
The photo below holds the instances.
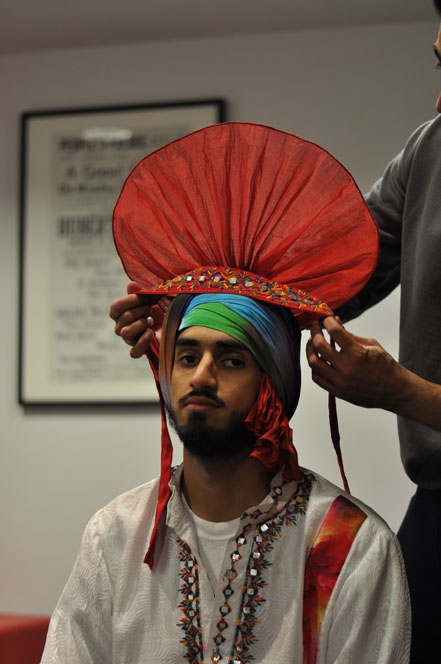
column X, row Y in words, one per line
column 243, row 209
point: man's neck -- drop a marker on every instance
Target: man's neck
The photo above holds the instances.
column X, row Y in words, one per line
column 222, row 490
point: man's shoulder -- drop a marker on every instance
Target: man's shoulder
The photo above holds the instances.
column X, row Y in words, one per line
column 429, row 128
column 136, row 494
column 329, row 496
column 421, row 149
column 337, row 518
column 426, row 138
column 131, row 507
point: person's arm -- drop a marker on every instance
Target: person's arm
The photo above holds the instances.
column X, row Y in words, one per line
column 387, row 202
column 80, row 631
column 364, row 373
column 133, row 321
column 368, row 618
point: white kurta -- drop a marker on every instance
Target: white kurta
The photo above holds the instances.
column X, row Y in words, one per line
column 114, row 610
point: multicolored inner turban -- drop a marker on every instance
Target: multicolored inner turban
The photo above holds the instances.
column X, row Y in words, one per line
column 272, row 337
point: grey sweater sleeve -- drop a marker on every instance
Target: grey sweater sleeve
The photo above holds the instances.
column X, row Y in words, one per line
column 387, row 203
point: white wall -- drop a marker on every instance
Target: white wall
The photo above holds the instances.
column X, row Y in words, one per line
column 358, row 92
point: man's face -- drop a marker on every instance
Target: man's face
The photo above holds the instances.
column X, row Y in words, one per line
column 214, row 384
column 437, row 49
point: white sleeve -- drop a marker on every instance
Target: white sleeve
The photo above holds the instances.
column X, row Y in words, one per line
column 367, row 620
column 80, row 631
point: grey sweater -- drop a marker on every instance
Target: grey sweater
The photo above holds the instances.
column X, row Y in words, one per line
column 406, row 204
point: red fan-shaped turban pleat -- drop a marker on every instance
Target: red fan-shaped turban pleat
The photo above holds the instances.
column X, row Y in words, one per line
column 250, row 197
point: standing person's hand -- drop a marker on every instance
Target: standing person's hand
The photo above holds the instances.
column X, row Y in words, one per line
column 360, row 371
column 357, row 370
column 133, row 320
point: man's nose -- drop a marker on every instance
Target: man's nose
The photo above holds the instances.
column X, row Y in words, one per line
column 205, row 374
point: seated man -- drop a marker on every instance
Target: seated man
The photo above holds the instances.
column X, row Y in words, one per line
column 239, row 555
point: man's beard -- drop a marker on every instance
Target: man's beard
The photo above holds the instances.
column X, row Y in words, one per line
column 206, row 442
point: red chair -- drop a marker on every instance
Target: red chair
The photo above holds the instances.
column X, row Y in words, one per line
column 22, row 638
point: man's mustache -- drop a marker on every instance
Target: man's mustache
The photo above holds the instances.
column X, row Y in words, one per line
column 206, row 394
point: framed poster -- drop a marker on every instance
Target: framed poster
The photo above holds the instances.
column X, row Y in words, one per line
column 73, row 166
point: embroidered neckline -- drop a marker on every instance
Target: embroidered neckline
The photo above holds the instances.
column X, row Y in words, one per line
column 190, row 605
column 264, row 537
column 252, row 594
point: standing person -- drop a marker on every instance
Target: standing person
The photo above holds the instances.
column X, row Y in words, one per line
column 406, row 204
column 239, row 555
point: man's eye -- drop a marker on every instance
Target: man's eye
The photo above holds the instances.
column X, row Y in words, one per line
column 187, row 359
column 234, row 362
